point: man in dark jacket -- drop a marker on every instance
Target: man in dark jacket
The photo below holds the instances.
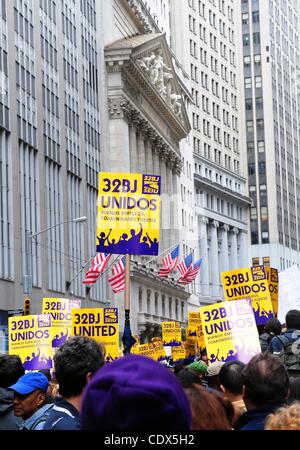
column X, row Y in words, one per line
column 75, row 363
column 292, row 320
column 11, row 369
column 266, row 388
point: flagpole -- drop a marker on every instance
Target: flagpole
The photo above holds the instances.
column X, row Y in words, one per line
column 127, row 284
column 165, row 251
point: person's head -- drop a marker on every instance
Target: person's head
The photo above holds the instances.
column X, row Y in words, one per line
column 208, row 411
column 198, row 367
column 265, row 381
column 75, row 362
column 285, row 418
column 273, row 326
column 29, row 394
column 46, row 372
column 231, row 378
column 11, row 369
column 135, row 393
column 187, row 377
column 212, row 376
column 292, row 319
column 294, row 392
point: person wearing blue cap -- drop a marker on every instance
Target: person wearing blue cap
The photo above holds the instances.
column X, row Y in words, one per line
column 30, row 400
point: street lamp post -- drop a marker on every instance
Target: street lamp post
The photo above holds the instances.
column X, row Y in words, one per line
column 27, row 278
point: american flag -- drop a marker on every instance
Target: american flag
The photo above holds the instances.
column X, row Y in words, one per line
column 184, row 266
column 98, row 265
column 117, row 280
column 169, row 263
column 191, row 274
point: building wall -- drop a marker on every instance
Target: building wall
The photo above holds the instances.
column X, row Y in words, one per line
column 271, row 60
column 50, row 133
column 204, row 40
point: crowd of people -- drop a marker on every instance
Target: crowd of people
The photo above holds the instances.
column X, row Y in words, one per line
column 135, row 393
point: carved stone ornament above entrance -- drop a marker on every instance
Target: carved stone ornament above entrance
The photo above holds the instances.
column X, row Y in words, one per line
column 146, row 67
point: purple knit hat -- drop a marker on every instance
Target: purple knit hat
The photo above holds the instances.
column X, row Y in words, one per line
column 135, row 393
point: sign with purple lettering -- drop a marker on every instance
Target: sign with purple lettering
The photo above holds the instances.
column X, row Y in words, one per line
column 230, row 331
column 128, row 218
column 250, row 282
column 61, row 317
column 30, row 338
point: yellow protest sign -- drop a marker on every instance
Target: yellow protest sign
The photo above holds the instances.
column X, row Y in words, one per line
column 160, row 352
column 171, row 333
column 190, row 346
column 128, row 219
column 60, row 311
column 147, row 350
column 178, row 353
column 101, row 324
column 194, row 328
column 273, row 282
column 250, row 282
column 230, row 331
column 30, row 338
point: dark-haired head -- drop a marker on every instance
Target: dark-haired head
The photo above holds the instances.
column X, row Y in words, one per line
column 273, row 326
column 77, row 359
column 209, row 410
column 187, row 377
column 11, row 369
column 231, row 378
column 294, row 392
column 265, row 381
column 292, row 319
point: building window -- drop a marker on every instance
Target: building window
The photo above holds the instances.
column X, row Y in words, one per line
column 182, row 311
column 259, row 103
column 246, row 40
column 260, row 124
column 265, row 237
column 257, row 59
column 254, row 237
column 170, row 307
column 163, row 305
column 248, row 103
column 256, row 38
column 249, row 126
column 140, row 299
column 253, row 213
column 247, row 61
column 262, row 168
column 264, row 213
column 251, row 169
column 245, row 19
column 148, row 301
column 248, row 83
column 258, row 82
column 156, row 303
column 261, row 146
column 255, row 16
column 266, row 261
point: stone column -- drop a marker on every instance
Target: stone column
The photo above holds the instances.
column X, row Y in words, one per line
column 156, row 162
column 164, row 199
column 244, row 246
column 149, row 137
column 234, row 255
column 176, row 171
column 141, row 146
column 224, row 248
column 215, row 275
column 171, row 221
column 133, row 148
column 204, row 271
